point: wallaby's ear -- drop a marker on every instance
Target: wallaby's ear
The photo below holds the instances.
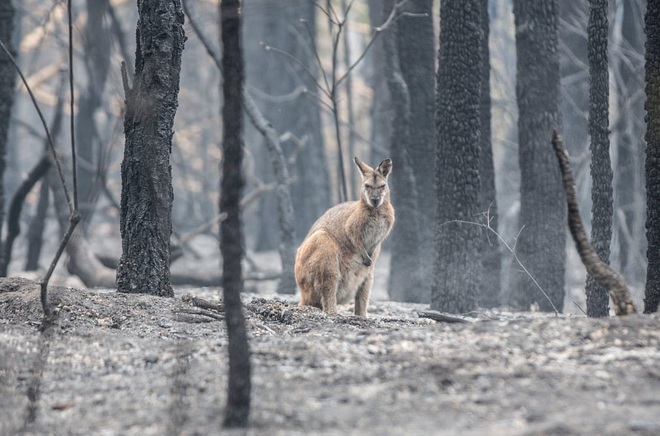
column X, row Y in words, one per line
column 385, row 167
column 364, row 168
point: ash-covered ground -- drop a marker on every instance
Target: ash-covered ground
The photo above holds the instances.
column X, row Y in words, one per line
column 119, row 364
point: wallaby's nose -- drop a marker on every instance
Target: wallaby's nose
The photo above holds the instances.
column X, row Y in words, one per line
column 375, row 200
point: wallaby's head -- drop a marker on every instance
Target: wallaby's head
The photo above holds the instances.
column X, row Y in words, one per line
column 374, row 182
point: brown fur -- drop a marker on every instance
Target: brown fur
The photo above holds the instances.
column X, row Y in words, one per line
column 599, row 270
column 335, row 263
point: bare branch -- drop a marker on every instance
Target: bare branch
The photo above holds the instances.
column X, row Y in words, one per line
column 73, row 133
column 297, row 61
column 511, row 250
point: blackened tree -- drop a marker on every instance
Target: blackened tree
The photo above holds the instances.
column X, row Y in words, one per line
column 416, row 54
column 231, row 244
column 601, row 169
column 458, row 118
column 405, row 281
column 7, row 81
column 652, row 58
column 146, row 174
column 489, row 289
column 541, row 244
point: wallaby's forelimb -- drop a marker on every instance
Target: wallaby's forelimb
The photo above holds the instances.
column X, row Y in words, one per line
column 599, row 270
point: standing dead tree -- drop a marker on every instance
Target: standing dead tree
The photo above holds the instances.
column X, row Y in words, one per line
column 7, row 82
column 405, row 281
column 238, row 394
column 652, row 66
column 151, row 104
column 601, row 167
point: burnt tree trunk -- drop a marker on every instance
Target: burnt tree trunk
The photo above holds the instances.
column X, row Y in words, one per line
column 652, row 57
column 146, row 197
column 457, row 257
column 231, row 241
column 489, row 292
column 416, row 52
column 541, row 246
column 601, row 168
column 405, row 281
column 7, row 79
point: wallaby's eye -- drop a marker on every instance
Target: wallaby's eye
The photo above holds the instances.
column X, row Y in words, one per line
column 381, row 186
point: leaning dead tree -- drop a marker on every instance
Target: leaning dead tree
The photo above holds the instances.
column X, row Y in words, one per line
column 605, row 276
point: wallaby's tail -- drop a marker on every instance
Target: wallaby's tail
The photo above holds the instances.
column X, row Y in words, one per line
column 599, row 270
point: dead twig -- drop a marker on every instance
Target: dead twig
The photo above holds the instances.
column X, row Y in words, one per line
column 511, row 250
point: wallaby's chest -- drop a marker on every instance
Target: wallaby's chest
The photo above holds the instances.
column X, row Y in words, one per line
column 375, row 230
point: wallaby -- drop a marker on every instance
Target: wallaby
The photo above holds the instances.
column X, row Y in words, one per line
column 599, row 270
column 335, row 263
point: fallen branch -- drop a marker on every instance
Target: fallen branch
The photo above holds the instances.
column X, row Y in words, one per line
column 440, row 317
column 204, row 304
column 199, row 312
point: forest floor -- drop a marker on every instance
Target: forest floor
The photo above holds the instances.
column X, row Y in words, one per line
column 119, row 364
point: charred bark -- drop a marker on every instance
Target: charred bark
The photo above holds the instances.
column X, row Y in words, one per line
column 7, row 82
column 652, row 58
column 405, row 281
column 231, row 241
column 541, row 245
column 601, row 168
column 491, row 260
column 151, row 104
column 457, row 257
column 416, row 53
